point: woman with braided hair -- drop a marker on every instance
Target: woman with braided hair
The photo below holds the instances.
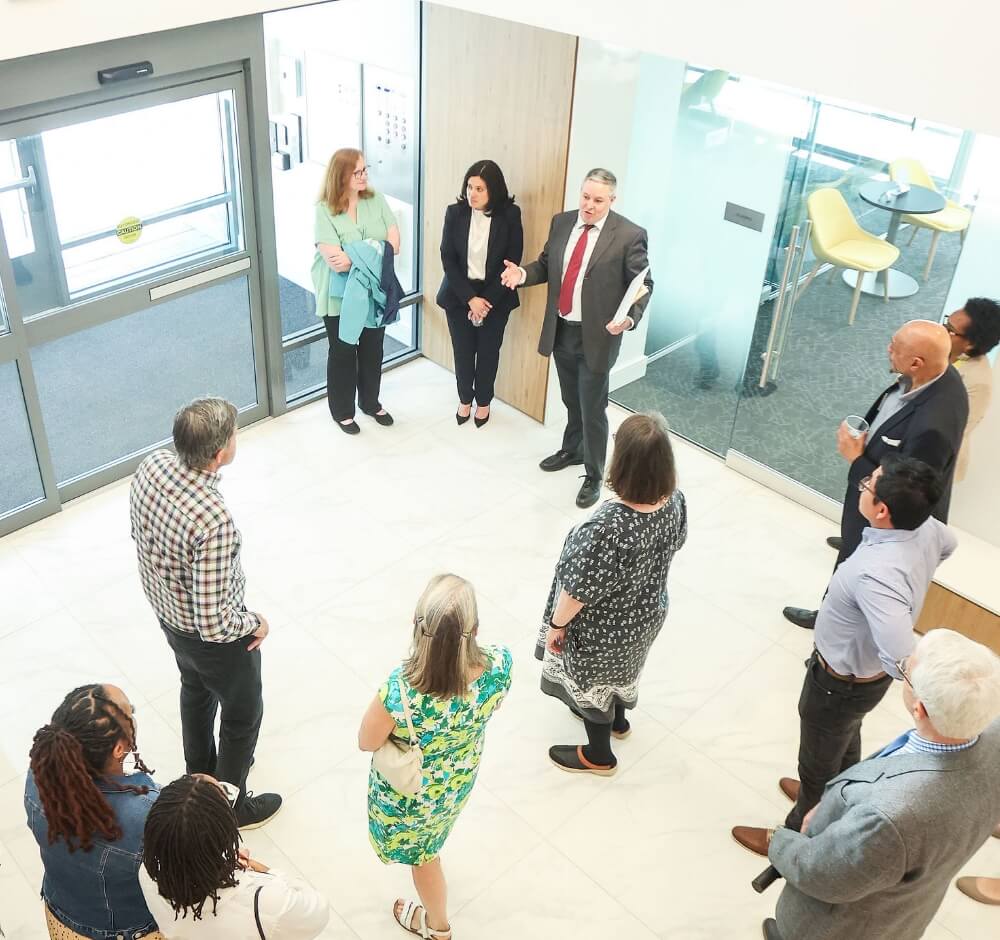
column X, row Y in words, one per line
column 87, row 816
column 199, row 883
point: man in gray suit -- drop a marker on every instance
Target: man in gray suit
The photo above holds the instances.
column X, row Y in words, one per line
column 876, row 855
column 589, row 260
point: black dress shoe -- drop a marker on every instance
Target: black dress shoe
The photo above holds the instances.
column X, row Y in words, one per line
column 350, row 428
column 479, row 422
column 461, row 419
column 770, row 927
column 385, row 419
column 560, row 460
column 835, row 542
column 590, row 493
column 801, row 617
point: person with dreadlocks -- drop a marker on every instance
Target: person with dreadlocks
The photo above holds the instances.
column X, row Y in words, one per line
column 87, row 816
column 199, row 883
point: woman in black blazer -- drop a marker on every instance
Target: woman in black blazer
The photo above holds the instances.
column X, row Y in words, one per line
column 481, row 229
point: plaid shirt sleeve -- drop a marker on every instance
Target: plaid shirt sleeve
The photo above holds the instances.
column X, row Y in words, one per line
column 216, row 617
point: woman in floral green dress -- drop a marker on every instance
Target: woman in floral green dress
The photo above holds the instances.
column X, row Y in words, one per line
column 453, row 687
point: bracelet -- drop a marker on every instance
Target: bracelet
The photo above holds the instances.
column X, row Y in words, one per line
column 555, row 627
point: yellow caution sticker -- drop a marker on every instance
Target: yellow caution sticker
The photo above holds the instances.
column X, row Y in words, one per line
column 129, row 230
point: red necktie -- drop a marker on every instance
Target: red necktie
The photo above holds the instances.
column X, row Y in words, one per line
column 572, row 273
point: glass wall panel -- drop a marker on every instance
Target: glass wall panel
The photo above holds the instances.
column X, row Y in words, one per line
column 753, row 342
column 95, row 217
column 112, row 390
column 20, row 481
column 325, row 94
column 305, row 368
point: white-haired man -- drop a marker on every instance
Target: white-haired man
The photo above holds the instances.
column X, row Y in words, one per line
column 876, row 855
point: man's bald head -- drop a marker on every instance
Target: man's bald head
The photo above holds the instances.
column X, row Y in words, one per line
column 920, row 349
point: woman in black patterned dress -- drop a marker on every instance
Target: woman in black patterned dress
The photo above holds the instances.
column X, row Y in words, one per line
column 609, row 595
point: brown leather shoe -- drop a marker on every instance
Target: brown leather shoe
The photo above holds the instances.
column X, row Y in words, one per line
column 970, row 888
column 770, row 929
column 790, row 787
column 753, row 839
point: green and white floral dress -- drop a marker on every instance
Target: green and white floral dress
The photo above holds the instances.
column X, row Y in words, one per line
column 451, row 732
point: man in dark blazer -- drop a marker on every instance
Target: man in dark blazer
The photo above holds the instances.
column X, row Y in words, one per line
column 922, row 415
column 589, row 261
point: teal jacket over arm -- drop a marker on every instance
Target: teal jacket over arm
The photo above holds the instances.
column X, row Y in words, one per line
column 363, row 300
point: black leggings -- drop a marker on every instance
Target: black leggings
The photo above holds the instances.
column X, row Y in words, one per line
column 598, row 747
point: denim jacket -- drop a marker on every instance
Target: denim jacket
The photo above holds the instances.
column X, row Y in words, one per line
column 96, row 893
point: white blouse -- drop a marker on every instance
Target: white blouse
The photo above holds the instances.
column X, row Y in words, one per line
column 289, row 910
column 479, row 239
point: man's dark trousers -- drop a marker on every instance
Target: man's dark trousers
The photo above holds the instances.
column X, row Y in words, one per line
column 585, row 395
column 830, row 714
column 214, row 675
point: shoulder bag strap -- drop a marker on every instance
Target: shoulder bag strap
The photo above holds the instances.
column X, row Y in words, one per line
column 256, row 911
column 406, row 711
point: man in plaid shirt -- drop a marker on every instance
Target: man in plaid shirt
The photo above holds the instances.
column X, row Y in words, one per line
column 189, row 561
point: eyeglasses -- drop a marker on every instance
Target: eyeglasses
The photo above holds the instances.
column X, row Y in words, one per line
column 357, row 174
column 863, row 486
column 902, row 669
column 952, row 330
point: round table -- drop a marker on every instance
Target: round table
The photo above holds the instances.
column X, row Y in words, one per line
column 918, row 201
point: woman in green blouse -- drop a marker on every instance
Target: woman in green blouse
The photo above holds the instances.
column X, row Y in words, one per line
column 349, row 211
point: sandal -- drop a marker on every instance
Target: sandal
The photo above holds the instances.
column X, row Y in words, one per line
column 404, row 917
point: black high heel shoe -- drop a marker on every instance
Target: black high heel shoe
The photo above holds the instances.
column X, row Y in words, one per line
column 481, row 421
column 461, row 419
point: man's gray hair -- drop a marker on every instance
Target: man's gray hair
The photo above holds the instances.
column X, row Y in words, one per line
column 958, row 682
column 600, row 175
column 203, row 428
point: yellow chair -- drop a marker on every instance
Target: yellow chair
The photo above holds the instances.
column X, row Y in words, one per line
column 839, row 240
column 952, row 218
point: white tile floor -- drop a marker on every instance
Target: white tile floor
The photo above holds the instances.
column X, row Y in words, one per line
column 340, row 535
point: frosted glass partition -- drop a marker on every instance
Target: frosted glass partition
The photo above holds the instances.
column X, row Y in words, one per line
column 749, row 346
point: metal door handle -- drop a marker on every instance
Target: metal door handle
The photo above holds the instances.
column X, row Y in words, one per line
column 793, row 299
column 779, row 306
column 29, row 183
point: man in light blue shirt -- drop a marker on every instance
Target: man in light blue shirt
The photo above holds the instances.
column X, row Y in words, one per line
column 863, row 628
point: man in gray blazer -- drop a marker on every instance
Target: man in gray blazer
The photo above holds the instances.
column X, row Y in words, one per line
column 589, row 260
column 876, row 855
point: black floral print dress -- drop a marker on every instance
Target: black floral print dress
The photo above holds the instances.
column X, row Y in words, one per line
column 616, row 563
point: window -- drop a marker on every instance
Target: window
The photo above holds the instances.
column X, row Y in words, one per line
column 174, row 202
column 324, row 93
column 20, row 480
column 135, row 379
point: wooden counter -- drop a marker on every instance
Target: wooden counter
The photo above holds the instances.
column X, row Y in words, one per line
column 945, row 608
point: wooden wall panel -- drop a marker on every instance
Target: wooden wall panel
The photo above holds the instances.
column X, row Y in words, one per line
column 501, row 91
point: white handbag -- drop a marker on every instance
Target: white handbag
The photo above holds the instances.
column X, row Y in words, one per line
column 401, row 763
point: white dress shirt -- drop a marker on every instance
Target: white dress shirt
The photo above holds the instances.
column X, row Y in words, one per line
column 479, row 240
column 289, row 910
column 574, row 316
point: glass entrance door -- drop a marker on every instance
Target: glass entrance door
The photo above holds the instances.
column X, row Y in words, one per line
column 129, row 270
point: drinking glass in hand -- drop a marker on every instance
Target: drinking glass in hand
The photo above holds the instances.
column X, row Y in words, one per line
column 856, row 425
